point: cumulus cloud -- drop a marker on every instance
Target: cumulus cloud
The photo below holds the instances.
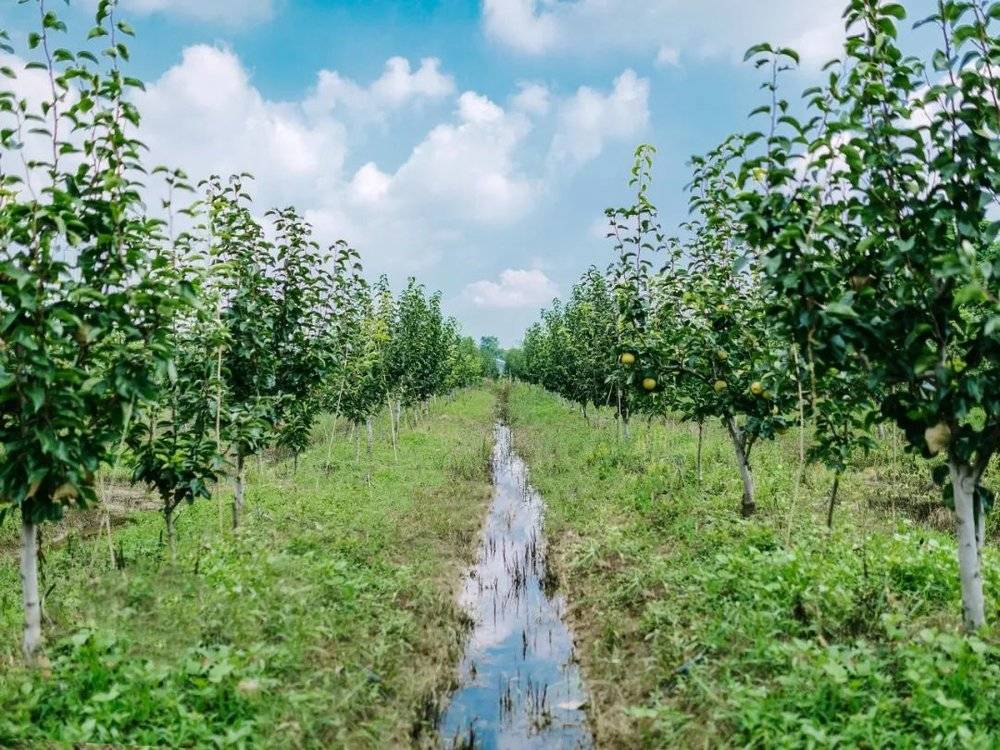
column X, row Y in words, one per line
column 205, row 115
column 397, row 86
column 532, row 98
column 516, row 289
column 590, row 118
column 517, row 24
column 722, row 28
column 465, row 169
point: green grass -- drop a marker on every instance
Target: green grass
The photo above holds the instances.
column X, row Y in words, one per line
column 697, row 628
column 329, row 620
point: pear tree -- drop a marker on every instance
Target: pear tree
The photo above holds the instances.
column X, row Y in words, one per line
column 84, row 308
column 876, row 224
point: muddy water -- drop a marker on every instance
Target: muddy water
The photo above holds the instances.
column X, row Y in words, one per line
column 519, row 686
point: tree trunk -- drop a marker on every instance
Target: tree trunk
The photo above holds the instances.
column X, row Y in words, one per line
column 701, row 435
column 748, row 506
column 29, row 588
column 963, row 482
column 168, row 517
column 392, row 428
column 368, row 434
column 329, row 445
column 833, row 500
column 238, row 494
column 980, row 524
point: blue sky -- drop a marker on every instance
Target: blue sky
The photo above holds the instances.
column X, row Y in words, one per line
column 472, row 144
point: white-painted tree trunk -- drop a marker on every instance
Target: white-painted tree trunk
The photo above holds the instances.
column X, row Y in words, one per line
column 238, row 493
column 369, row 434
column 968, row 533
column 980, row 527
column 749, row 506
column 29, row 587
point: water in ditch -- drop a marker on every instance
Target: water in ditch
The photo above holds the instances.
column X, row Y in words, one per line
column 519, row 685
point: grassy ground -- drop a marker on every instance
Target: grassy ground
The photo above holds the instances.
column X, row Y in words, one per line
column 699, row 629
column 328, row 621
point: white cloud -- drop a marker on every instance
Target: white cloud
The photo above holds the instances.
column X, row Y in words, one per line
column 465, row 170
column 369, row 184
column 517, row 289
column 722, row 28
column 668, row 57
column 516, row 24
column 397, row 86
column 205, row 115
column 533, row 98
column 589, row 118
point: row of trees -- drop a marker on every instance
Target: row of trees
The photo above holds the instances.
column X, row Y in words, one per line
column 181, row 342
column 840, row 266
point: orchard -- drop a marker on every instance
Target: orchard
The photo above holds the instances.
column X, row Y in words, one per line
column 839, row 270
column 186, row 342
column 753, row 447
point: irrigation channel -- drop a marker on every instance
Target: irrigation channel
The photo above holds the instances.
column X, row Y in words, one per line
column 519, row 684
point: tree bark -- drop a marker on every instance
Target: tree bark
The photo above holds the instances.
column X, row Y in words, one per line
column 833, row 500
column 329, row 445
column 368, row 434
column 29, row 587
column 701, row 435
column 963, row 482
column 749, row 506
column 238, row 494
column 168, row 517
column 392, row 428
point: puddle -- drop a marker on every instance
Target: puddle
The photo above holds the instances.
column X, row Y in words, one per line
column 519, row 686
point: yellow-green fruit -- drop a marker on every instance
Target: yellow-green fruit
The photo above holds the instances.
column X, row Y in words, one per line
column 767, row 395
column 82, row 334
column 722, row 355
column 720, row 386
column 938, row 437
column 649, row 383
column 628, row 358
column 756, row 388
column 759, row 174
